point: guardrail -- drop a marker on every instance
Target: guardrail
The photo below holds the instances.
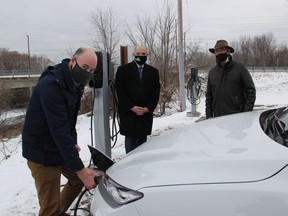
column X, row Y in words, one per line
column 267, row 69
column 19, row 73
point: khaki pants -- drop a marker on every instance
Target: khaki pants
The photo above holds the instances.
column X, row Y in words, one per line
column 47, row 181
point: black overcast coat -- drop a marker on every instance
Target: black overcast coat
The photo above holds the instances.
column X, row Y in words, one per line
column 133, row 92
column 49, row 135
column 230, row 89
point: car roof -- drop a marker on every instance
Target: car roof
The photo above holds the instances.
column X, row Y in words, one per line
column 225, row 149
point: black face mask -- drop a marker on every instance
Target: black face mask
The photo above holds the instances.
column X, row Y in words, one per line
column 221, row 57
column 140, row 59
column 80, row 75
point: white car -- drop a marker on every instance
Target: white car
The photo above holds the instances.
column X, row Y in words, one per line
column 222, row 166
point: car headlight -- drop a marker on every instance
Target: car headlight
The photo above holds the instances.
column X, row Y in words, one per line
column 116, row 194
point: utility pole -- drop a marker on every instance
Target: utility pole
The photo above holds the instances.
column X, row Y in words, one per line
column 181, row 58
column 29, row 63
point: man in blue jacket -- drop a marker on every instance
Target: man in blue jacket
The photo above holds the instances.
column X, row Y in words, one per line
column 49, row 138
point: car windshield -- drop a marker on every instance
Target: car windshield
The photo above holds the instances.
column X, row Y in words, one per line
column 275, row 124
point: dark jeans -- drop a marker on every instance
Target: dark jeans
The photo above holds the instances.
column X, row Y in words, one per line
column 133, row 142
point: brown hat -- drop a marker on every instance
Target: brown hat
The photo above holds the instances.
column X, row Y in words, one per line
column 220, row 44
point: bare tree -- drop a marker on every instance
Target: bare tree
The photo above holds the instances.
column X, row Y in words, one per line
column 160, row 37
column 281, row 56
column 108, row 31
column 4, row 105
column 196, row 57
column 243, row 50
column 13, row 60
column 263, row 49
column 259, row 50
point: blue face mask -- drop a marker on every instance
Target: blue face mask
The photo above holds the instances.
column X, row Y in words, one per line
column 80, row 75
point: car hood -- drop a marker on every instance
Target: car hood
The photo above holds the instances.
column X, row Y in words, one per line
column 225, row 149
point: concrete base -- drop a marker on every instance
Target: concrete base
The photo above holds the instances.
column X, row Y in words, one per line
column 193, row 114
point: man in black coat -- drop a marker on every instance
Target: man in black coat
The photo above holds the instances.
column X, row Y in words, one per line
column 49, row 137
column 230, row 88
column 138, row 89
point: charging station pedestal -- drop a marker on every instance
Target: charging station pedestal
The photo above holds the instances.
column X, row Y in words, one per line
column 194, row 77
column 101, row 103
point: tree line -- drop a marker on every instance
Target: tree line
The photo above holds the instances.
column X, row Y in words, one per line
column 13, row 60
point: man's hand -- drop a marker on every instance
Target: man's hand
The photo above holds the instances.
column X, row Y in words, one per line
column 139, row 110
column 78, row 148
column 86, row 175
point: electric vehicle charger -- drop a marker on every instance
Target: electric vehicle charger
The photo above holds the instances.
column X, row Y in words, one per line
column 194, row 92
column 194, row 82
column 99, row 161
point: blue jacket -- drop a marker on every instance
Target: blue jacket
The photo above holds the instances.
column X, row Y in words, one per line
column 49, row 135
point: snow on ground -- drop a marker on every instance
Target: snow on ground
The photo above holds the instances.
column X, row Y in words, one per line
column 271, row 88
column 18, row 195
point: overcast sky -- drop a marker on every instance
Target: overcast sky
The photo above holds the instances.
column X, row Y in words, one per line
column 56, row 26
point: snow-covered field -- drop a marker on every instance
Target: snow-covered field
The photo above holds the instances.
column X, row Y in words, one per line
column 18, row 195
